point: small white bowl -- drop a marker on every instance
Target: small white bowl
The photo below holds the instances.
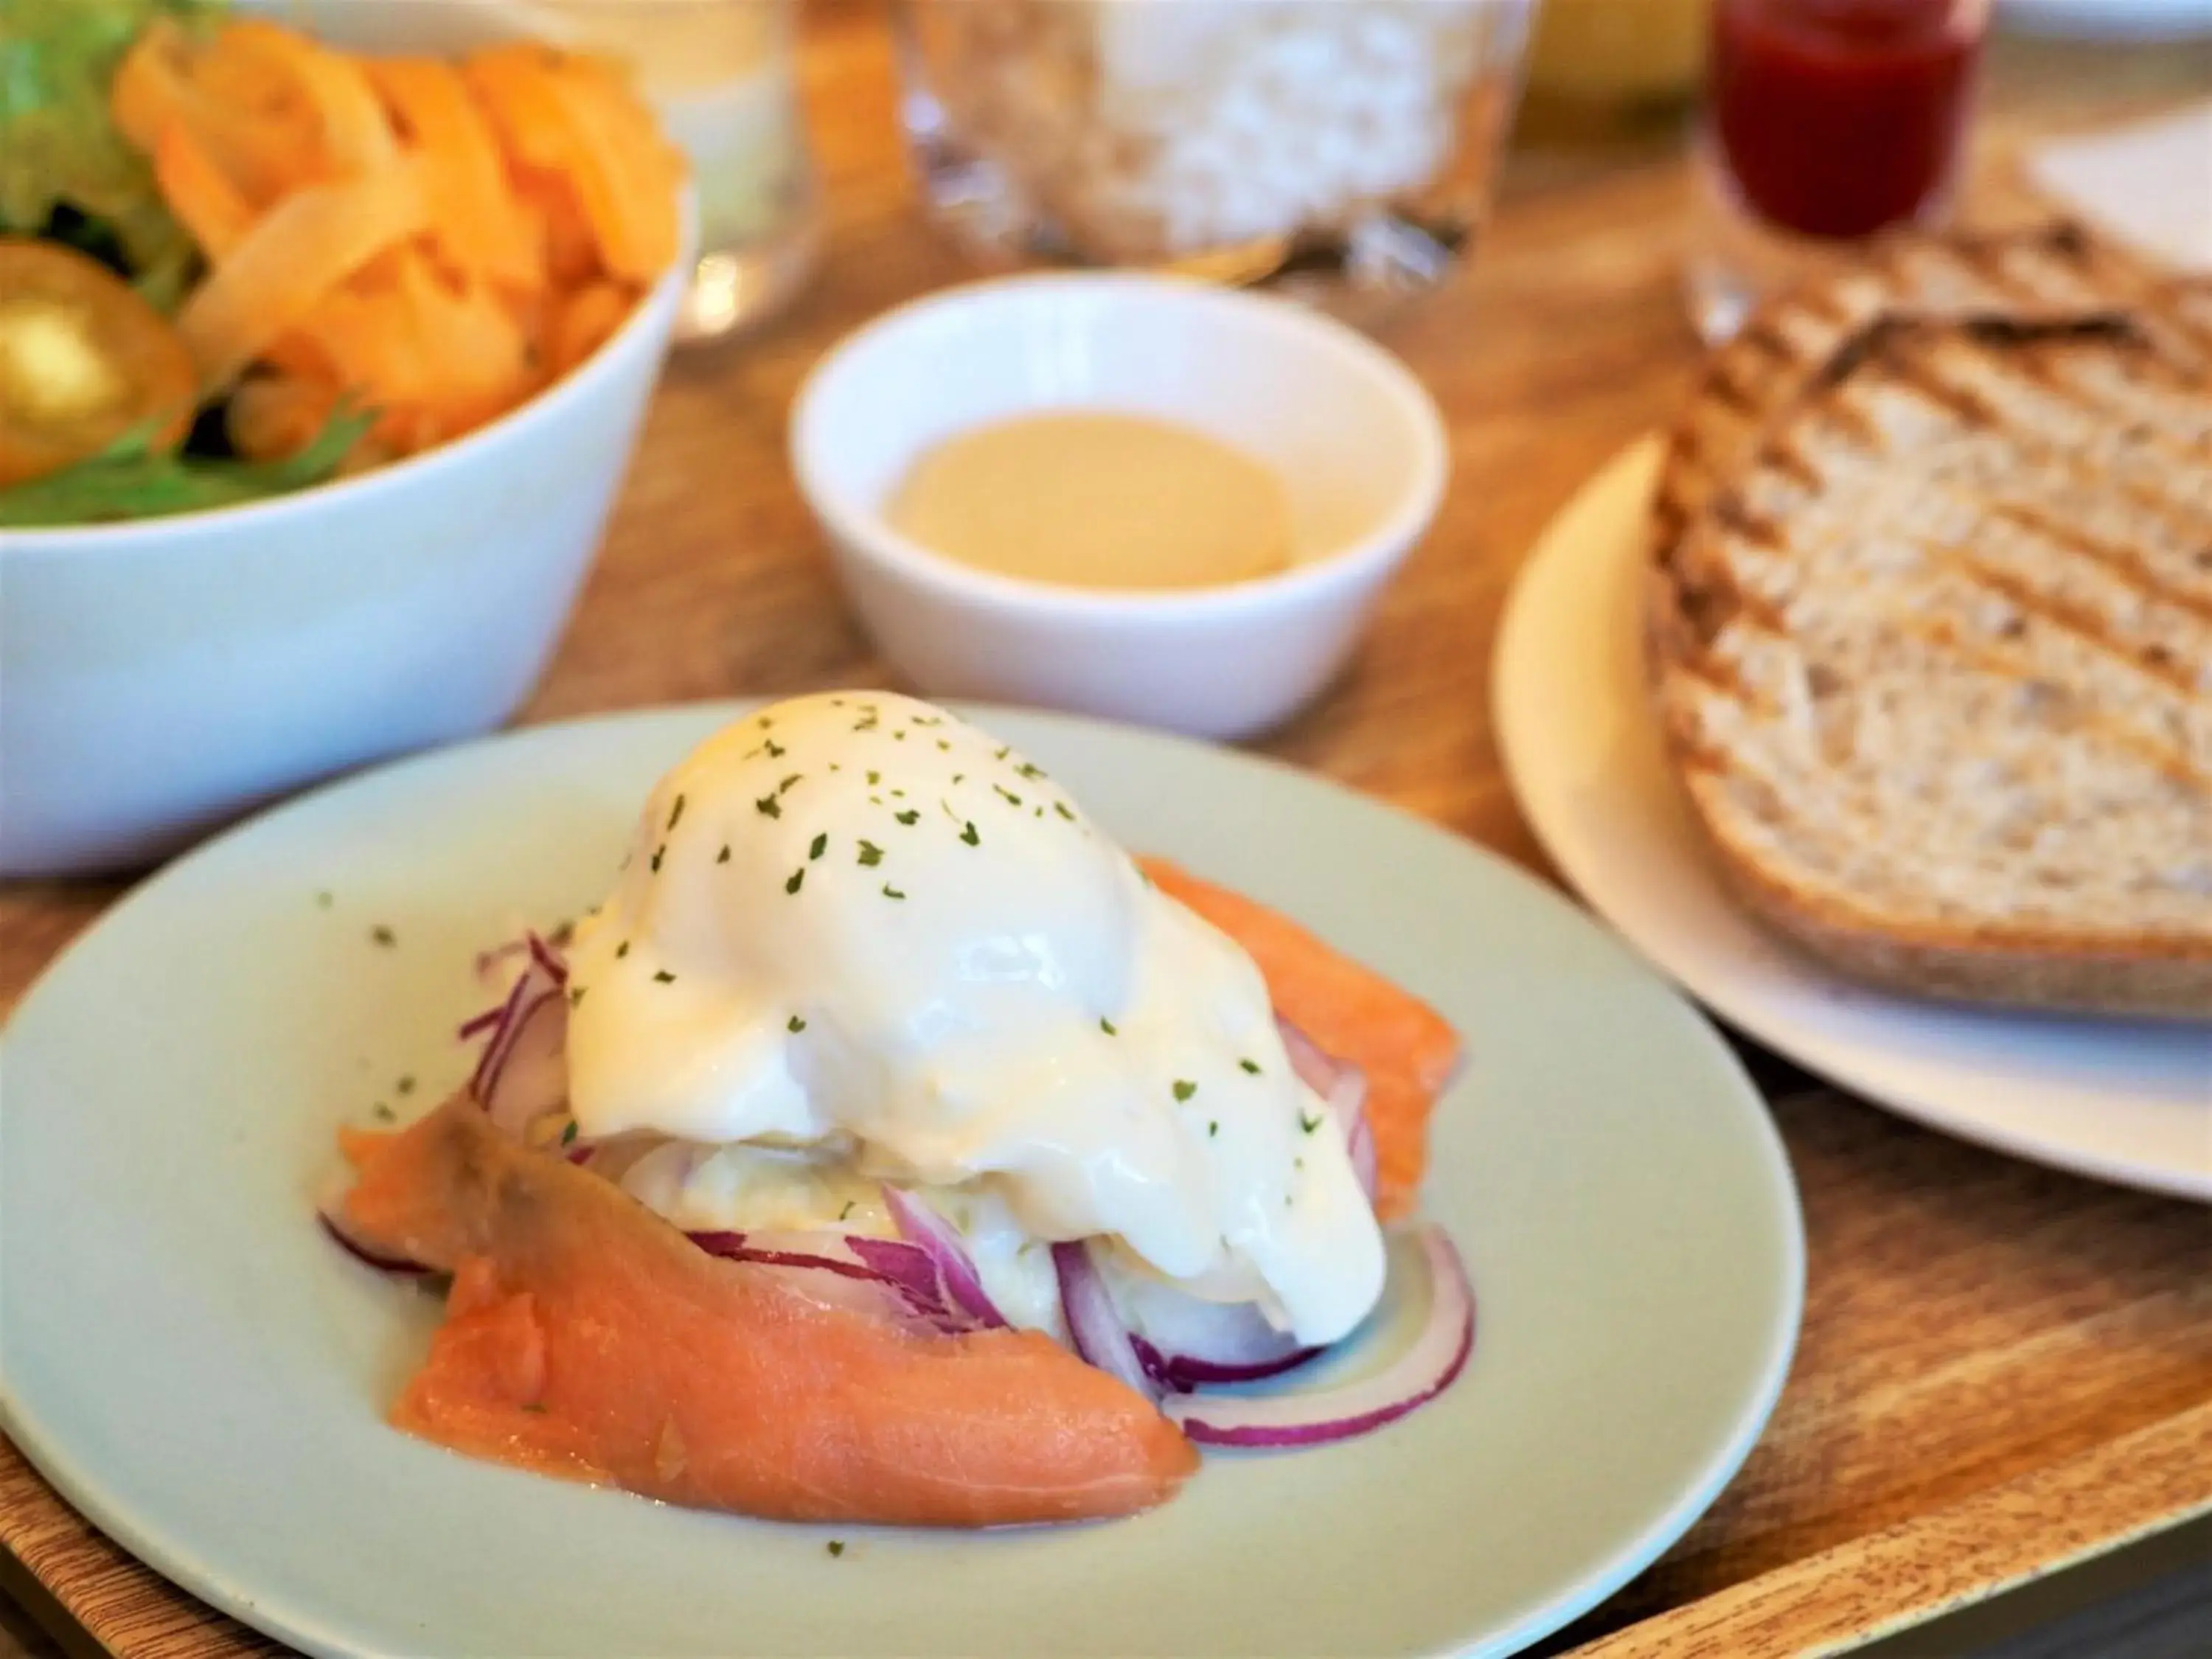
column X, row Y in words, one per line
column 1357, row 441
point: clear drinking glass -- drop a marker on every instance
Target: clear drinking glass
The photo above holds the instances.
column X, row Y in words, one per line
column 1605, row 69
column 1351, row 147
column 722, row 75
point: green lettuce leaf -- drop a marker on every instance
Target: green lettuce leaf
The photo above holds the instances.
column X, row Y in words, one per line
column 129, row 480
column 65, row 169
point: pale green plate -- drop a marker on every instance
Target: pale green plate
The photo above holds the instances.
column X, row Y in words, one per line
column 197, row 1369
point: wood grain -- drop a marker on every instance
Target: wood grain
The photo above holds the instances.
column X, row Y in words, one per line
column 2003, row 1369
column 1844, row 1597
column 120, row 1605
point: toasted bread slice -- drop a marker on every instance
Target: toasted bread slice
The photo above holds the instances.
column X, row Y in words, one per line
column 1935, row 661
column 2055, row 270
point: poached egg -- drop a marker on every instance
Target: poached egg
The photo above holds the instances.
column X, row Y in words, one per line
column 857, row 940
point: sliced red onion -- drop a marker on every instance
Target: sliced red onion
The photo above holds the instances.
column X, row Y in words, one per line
column 1345, row 1088
column 1185, row 1342
column 543, row 956
column 360, row 1252
column 1186, row 1372
column 734, row 1246
column 915, row 1274
column 936, row 1236
column 522, row 1075
column 501, row 1027
column 902, row 1269
column 1314, row 1069
column 543, row 949
column 1360, row 1142
column 1094, row 1323
column 1177, row 1373
column 481, row 1024
column 1425, row 1370
column 549, row 960
column 529, row 1078
column 731, row 1246
column 489, row 963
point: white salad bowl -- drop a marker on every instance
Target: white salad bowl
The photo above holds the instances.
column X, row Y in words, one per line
column 160, row 675
column 1356, row 442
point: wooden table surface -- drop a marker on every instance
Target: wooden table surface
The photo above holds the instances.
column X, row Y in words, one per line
column 2003, row 1370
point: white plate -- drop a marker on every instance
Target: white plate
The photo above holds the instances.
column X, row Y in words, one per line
column 2108, row 20
column 2125, row 1101
column 196, row 1369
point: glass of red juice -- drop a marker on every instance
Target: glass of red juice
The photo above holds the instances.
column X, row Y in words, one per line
column 1826, row 122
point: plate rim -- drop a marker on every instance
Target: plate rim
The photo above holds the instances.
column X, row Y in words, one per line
column 184, row 1567
column 1556, row 547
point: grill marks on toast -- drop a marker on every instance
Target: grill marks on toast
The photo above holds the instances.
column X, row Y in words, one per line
column 2057, row 270
column 2026, row 517
column 1935, row 663
column 1799, row 817
column 1967, row 592
column 2122, row 560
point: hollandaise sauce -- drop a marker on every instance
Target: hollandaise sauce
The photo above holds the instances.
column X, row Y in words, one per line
column 857, row 940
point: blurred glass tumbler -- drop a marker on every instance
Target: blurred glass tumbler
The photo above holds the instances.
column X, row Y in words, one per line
column 722, row 76
column 1348, row 145
column 1827, row 121
column 1613, row 68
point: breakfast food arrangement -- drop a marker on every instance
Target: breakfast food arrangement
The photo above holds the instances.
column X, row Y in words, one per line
column 965, row 1150
column 985, row 1069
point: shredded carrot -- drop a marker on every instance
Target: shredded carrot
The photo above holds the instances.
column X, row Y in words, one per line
column 351, row 121
column 253, row 83
column 149, row 89
column 624, row 173
column 430, row 240
column 565, row 124
column 510, row 83
column 586, row 323
column 198, row 192
column 482, row 355
column 273, row 415
column 434, row 357
column 293, row 352
column 371, row 339
column 154, row 88
column 303, row 247
column 476, row 220
column 572, row 253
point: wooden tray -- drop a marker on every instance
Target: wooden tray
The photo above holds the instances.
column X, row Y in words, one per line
column 2003, row 1370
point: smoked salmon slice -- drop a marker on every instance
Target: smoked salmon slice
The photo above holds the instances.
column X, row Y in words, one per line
column 587, row 1337
column 1407, row 1048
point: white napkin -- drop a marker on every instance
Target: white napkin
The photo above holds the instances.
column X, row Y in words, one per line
column 2150, row 183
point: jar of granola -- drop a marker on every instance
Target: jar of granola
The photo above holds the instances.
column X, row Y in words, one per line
column 1243, row 139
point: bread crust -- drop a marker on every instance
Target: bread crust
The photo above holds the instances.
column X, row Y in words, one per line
column 2138, row 975
column 1690, row 596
